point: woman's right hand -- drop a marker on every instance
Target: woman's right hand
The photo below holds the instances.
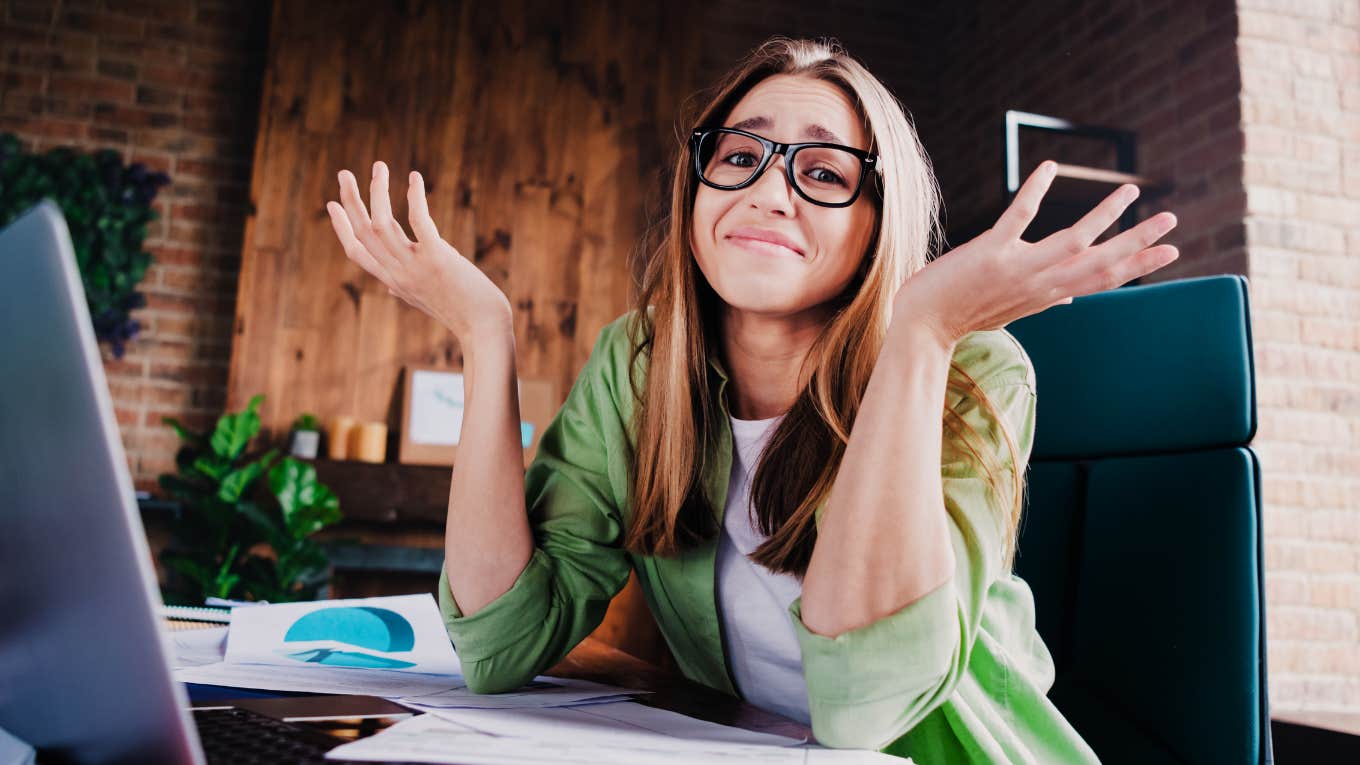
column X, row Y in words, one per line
column 428, row 273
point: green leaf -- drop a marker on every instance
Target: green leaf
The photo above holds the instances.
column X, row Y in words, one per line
column 234, row 431
column 237, row 482
column 307, row 505
column 212, row 467
column 184, row 433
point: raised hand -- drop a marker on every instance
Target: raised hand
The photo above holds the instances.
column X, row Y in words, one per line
column 428, row 273
column 997, row 278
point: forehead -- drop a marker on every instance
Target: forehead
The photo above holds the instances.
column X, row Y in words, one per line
column 790, row 108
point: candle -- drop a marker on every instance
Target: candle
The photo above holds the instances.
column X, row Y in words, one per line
column 338, row 435
column 368, row 442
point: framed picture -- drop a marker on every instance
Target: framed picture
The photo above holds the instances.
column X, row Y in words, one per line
column 432, row 415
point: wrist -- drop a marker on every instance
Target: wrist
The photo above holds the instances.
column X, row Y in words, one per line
column 488, row 344
column 920, row 330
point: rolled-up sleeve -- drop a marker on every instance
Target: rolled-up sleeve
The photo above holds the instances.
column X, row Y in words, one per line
column 578, row 563
column 869, row 686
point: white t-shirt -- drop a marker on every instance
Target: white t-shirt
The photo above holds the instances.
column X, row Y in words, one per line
column 762, row 649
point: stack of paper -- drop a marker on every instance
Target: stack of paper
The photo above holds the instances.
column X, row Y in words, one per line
column 619, row 733
column 394, row 647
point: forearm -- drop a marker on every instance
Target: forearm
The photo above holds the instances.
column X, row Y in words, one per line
column 884, row 540
column 487, row 541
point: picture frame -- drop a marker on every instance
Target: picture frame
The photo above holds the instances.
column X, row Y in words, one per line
column 432, row 414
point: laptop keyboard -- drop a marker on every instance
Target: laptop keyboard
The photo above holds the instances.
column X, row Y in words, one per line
column 232, row 736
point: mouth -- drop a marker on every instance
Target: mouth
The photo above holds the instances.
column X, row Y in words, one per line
column 763, row 247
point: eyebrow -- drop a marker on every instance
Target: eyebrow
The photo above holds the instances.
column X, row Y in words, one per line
column 813, row 131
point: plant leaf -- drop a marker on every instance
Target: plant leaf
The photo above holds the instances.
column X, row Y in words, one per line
column 234, row 431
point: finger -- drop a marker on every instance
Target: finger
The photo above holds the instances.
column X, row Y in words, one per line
column 1140, row 237
column 1025, row 206
column 384, row 225
column 1081, row 234
column 1097, row 276
column 360, row 222
column 354, row 249
column 421, row 223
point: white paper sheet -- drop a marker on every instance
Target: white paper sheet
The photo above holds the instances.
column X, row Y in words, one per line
column 318, row 679
column 623, row 723
column 422, row 692
column 401, row 634
column 431, row 739
column 541, row 692
column 194, row 648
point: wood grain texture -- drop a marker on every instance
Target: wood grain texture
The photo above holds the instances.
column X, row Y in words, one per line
column 542, row 131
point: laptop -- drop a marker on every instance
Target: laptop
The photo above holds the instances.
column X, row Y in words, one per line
column 85, row 676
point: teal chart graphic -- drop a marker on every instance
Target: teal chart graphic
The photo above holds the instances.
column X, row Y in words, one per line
column 376, row 629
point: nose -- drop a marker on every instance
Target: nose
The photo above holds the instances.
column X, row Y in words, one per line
column 772, row 191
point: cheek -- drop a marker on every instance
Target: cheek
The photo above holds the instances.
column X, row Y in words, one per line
column 707, row 211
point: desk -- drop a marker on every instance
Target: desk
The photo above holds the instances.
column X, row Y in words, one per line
column 598, row 661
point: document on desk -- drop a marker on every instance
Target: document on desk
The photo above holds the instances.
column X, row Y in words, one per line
column 395, row 634
column 394, row 647
column 430, row 738
column 194, row 648
column 418, row 691
column 614, row 724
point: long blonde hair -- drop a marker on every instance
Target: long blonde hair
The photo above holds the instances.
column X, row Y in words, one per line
column 676, row 418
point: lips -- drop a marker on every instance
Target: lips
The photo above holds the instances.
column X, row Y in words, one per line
column 752, row 235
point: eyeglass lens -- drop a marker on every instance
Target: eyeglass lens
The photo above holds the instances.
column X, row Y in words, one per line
column 824, row 174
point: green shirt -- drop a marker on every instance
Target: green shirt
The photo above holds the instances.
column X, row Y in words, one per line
column 958, row 676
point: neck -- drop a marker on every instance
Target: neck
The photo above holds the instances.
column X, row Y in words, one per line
column 764, row 356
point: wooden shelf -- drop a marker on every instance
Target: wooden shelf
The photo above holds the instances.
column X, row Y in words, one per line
column 388, row 493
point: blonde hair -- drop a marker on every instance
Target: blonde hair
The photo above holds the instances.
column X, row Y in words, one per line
column 676, row 421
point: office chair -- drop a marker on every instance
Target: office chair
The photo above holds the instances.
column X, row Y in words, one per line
column 1141, row 537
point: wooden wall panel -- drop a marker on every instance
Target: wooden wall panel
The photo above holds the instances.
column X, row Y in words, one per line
column 542, row 131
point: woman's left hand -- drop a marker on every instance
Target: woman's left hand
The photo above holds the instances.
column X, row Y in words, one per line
column 997, row 278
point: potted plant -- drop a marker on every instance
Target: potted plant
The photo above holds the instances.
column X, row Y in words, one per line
column 240, row 538
column 305, row 439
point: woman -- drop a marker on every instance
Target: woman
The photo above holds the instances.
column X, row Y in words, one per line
column 762, row 438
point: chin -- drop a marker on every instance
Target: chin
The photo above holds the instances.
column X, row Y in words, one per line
column 756, row 298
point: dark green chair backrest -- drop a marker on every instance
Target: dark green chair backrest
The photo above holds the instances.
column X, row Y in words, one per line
column 1141, row 537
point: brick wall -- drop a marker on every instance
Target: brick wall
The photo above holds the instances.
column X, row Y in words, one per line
column 173, row 84
column 1301, row 115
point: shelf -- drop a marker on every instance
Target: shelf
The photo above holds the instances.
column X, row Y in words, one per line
column 389, row 492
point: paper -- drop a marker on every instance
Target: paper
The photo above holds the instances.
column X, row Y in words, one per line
column 623, row 723
column 429, row 738
column 432, row 739
column 194, row 648
column 541, row 692
column 404, row 633
column 316, row 678
column 422, row 692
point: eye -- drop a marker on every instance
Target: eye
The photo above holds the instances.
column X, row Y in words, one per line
column 753, row 159
column 825, row 175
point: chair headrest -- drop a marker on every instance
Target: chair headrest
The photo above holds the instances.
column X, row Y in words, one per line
column 1147, row 369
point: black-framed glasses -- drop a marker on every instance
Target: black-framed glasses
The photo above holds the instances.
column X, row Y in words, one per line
column 825, row 174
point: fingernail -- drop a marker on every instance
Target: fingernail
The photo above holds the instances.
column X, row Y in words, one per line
column 377, row 166
column 1050, row 166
